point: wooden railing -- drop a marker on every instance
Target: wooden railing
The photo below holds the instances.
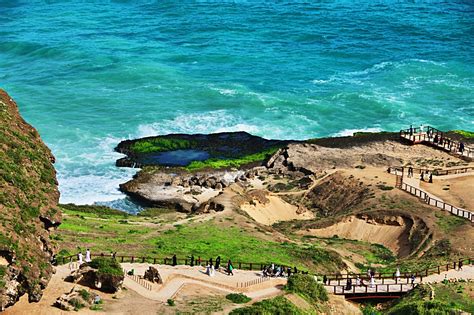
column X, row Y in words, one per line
column 436, row 138
column 144, row 283
column 377, row 288
column 249, row 283
column 436, row 172
column 466, row 214
column 419, row 274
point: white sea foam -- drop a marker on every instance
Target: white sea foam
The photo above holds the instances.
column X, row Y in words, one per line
column 350, row 132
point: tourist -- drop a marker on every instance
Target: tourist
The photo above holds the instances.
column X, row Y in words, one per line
column 397, row 274
column 410, row 171
column 357, row 280
column 199, row 261
column 175, row 260
column 325, row 279
column 230, row 268
column 218, row 262
column 430, row 178
column 192, row 260
column 88, row 255
column 210, row 261
column 435, row 140
column 422, row 176
column 372, row 273
column 461, row 147
column 413, row 280
column 213, row 271
column 348, row 284
column 411, row 130
column 79, row 258
column 208, row 270
column 288, row 271
column 460, row 265
column 372, row 282
column 369, row 273
column 295, row 270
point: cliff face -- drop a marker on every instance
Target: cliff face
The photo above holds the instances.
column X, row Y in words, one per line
column 28, row 207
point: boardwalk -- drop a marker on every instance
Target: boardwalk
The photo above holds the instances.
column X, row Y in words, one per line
column 438, row 139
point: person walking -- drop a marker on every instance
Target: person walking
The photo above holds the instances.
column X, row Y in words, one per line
column 174, row 260
column 230, row 268
column 461, row 147
column 192, row 260
column 422, row 176
column 325, row 279
column 357, row 280
column 397, row 274
column 208, row 270
column 430, row 180
column 372, row 282
column 213, row 271
column 210, row 261
column 88, row 255
column 460, row 265
column 413, row 280
column 79, row 259
column 218, row 262
column 410, row 171
column 288, row 271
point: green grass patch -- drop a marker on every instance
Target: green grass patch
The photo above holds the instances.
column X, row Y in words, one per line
column 279, row 305
column 448, row 297
column 215, row 163
column 448, row 222
column 93, row 210
column 466, row 134
column 307, row 287
column 106, row 265
column 238, row 298
column 160, row 145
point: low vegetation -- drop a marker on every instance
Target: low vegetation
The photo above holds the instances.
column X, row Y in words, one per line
column 307, row 287
column 466, row 134
column 238, row 298
column 106, row 265
column 279, row 305
column 216, row 163
column 448, row 297
column 149, row 145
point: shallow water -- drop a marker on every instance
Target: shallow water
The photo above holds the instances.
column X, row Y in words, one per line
column 88, row 75
column 174, row 158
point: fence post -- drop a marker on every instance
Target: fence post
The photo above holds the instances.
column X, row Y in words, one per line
column 143, row 259
column 122, row 259
column 250, row 266
column 439, row 271
column 133, row 259
column 154, row 261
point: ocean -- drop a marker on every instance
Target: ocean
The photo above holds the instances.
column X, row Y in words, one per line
column 88, row 74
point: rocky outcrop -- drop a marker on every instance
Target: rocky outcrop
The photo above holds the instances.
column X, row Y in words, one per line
column 153, row 275
column 94, row 278
column 28, row 201
column 76, row 299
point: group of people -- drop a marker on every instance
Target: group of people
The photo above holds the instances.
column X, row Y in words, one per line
column 438, row 139
column 424, row 175
column 211, row 265
column 80, row 257
column 278, row 271
column 371, row 277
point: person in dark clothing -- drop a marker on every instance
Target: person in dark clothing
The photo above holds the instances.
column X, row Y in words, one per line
column 218, row 262
column 230, row 268
column 461, row 147
column 295, row 270
column 192, row 260
column 435, row 140
column 325, row 279
column 422, row 176
column 431, row 178
column 288, row 271
column 372, row 273
column 460, row 265
column 349, row 284
column 175, row 260
column 410, row 171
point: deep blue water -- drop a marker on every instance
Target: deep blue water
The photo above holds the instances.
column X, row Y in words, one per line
column 175, row 157
column 87, row 74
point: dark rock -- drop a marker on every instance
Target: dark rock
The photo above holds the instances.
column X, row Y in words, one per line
column 153, row 275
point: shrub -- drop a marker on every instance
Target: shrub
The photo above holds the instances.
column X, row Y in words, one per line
column 85, row 295
column 238, row 298
column 278, row 306
column 307, row 287
column 106, row 265
column 170, row 302
column 159, row 145
column 76, row 304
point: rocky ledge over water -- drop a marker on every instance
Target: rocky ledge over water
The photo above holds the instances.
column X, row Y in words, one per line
column 185, row 172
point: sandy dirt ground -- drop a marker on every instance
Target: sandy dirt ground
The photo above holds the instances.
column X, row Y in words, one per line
column 391, row 236
column 457, row 191
column 275, row 210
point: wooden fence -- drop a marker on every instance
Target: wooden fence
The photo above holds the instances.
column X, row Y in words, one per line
column 435, row 172
column 466, row 214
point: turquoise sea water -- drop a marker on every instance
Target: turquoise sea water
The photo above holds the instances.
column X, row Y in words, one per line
column 88, row 74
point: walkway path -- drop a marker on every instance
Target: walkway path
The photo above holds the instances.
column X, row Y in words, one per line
column 176, row 278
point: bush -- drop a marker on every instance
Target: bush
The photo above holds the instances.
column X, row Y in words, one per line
column 85, row 295
column 170, row 302
column 106, row 265
column 238, row 298
column 76, row 304
column 307, row 287
column 277, row 306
